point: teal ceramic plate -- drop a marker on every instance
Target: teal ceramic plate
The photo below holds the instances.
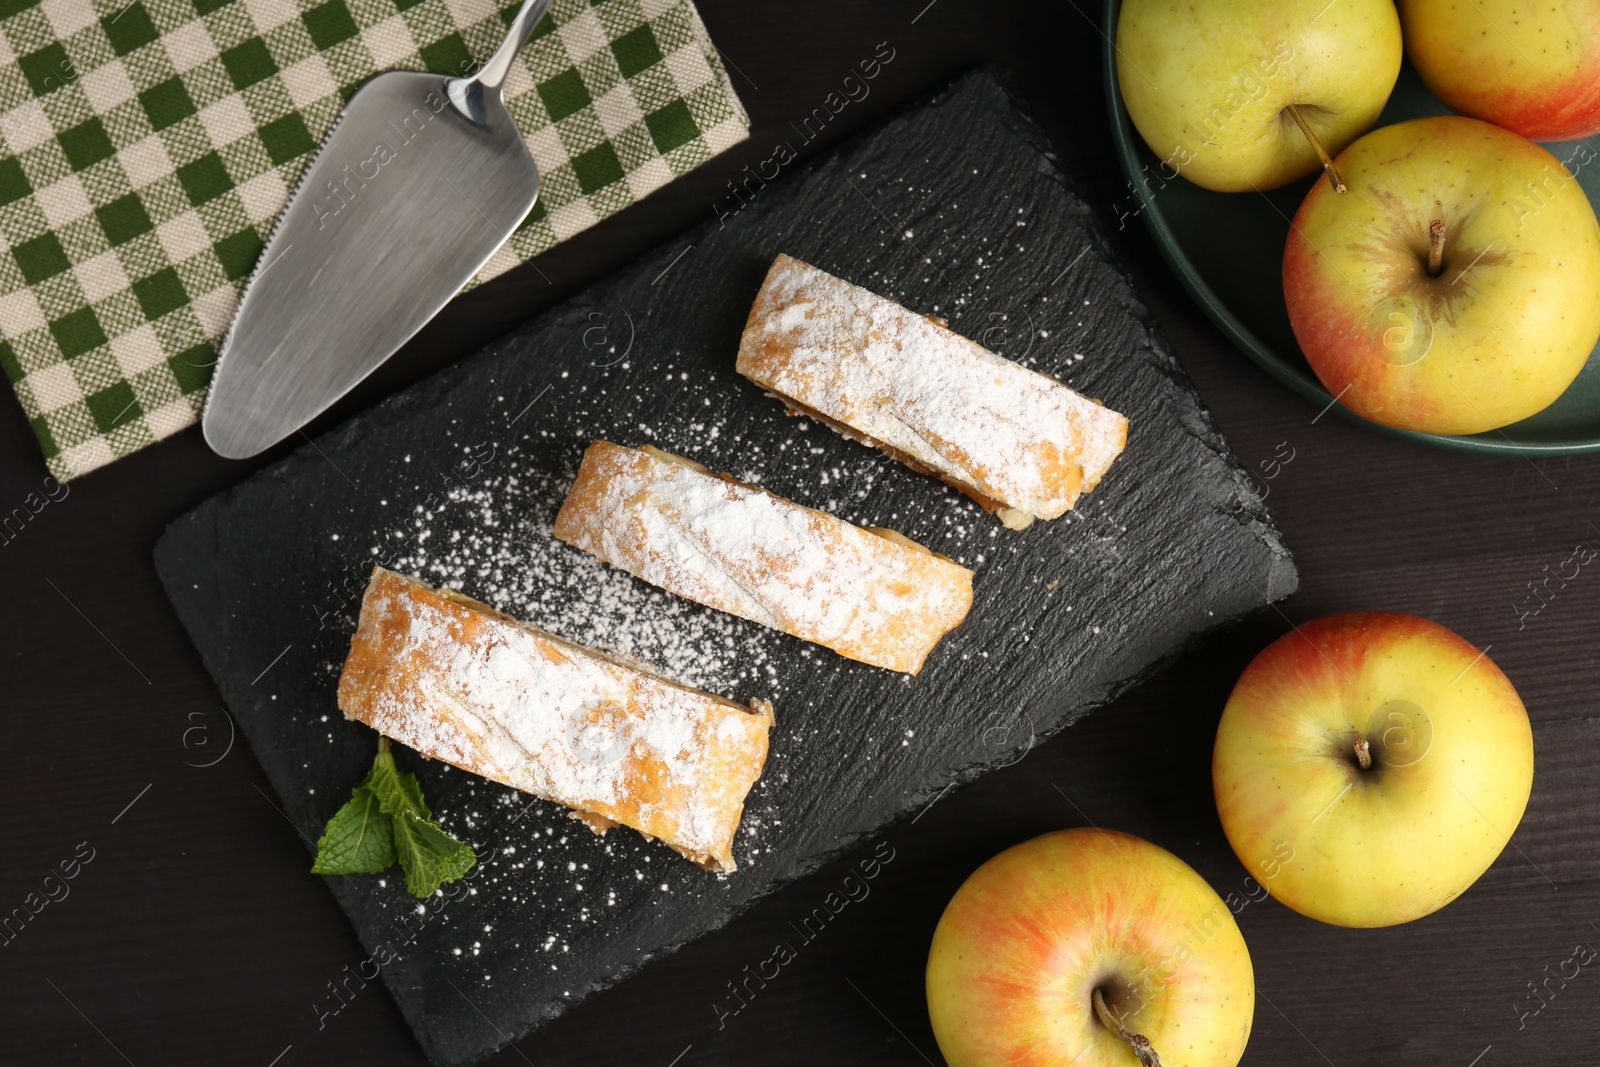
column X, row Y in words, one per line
column 1227, row 249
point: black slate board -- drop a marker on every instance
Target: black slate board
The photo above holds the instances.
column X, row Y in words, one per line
column 956, row 208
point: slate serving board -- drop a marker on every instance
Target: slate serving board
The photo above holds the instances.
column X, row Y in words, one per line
column 956, row 208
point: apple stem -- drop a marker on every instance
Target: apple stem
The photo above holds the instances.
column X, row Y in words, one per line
column 1435, row 247
column 1364, row 753
column 1316, row 143
column 1138, row 1042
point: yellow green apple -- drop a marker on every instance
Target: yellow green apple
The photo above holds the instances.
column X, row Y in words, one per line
column 1370, row 766
column 1533, row 68
column 1093, row 948
column 1251, row 94
column 1455, row 287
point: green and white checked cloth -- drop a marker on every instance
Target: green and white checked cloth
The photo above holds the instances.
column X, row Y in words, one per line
column 147, row 148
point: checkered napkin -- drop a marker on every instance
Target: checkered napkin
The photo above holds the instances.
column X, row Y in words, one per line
column 147, row 149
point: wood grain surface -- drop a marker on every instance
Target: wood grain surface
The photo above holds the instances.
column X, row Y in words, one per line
column 191, row 934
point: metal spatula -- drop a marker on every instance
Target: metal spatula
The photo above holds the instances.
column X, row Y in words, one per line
column 420, row 181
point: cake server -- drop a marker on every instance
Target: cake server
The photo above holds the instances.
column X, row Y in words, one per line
column 421, row 179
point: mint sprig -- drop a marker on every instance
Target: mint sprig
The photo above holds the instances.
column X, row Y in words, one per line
column 386, row 820
column 359, row 839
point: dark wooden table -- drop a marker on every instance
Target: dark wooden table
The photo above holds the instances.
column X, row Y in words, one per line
column 194, row 936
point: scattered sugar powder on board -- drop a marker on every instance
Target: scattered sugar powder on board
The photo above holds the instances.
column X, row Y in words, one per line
column 491, row 540
column 501, row 552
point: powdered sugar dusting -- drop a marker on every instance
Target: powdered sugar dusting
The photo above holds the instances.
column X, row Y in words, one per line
column 499, row 549
column 1017, row 437
column 742, row 550
column 503, row 700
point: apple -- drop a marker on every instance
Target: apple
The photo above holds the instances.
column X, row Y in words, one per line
column 1093, row 948
column 1370, row 766
column 1455, row 288
column 1251, row 94
column 1532, row 68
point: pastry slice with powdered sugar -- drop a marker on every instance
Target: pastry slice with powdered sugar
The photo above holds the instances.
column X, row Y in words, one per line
column 870, row 594
column 460, row 682
column 1021, row 444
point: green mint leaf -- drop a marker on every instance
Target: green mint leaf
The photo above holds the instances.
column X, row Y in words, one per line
column 428, row 855
column 397, row 791
column 413, row 795
column 384, row 781
column 359, row 839
column 387, row 820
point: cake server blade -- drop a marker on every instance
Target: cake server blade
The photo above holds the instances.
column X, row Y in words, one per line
column 420, row 181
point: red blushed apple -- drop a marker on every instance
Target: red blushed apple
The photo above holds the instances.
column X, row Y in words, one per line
column 1455, row 287
column 1370, row 766
column 1091, row 948
column 1532, row 68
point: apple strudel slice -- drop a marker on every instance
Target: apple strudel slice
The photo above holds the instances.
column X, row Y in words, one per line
column 869, row 594
column 1021, row 444
column 460, row 682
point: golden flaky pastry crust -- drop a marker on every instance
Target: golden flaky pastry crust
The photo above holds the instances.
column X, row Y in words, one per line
column 1020, row 443
column 460, row 682
column 868, row 594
